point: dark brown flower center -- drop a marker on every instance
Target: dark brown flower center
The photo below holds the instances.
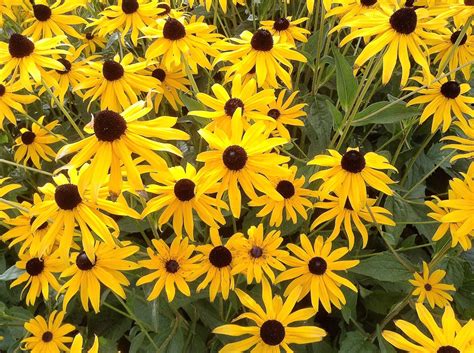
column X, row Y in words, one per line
column 256, row 252
column 173, row 29
column 455, row 36
column 234, row 157
column 112, row 70
column 253, row 70
column 19, row 46
column 47, row 336
column 231, row 106
column 172, row 266
column 368, row 3
column 404, row 21
column 166, row 9
column 450, row 89
column 109, row 125
column 67, row 66
column 282, row 24
column 317, row 266
column 428, row 287
column 469, row 2
column 272, row 332
column 353, row 161
column 262, row 40
column 286, row 189
column 184, row 189
column 220, row 256
column 130, row 6
column 159, row 74
column 42, row 12
column 67, row 196
column 89, row 36
column 83, row 262
column 34, row 266
column 2, row 90
column 43, row 226
column 28, row 137
column 274, row 113
column 448, row 349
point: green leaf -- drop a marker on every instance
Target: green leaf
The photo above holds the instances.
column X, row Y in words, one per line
column 383, row 267
column 354, row 342
column 11, row 274
column 390, row 115
column 346, row 83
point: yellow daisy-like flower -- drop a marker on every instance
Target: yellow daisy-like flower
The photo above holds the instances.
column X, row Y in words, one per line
column 127, row 15
column 258, row 254
column 295, row 199
column 46, row 21
column 262, row 51
column 451, row 337
column 48, row 336
column 349, row 174
column 86, row 275
column 34, row 143
column 402, row 30
column 282, row 113
column 445, row 99
column 10, row 100
column 243, row 96
column 271, row 331
column 116, row 83
column 69, row 204
column 243, row 159
column 287, row 30
column 180, row 192
column 217, row 262
column 76, row 346
column 90, row 43
column 348, row 9
column 463, row 145
column 347, row 215
column 38, row 275
column 181, row 39
column 115, row 137
column 22, row 58
column 6, row 9
column 222, row 3
column 5, row 189
column 428, row 286
column 314, row 269
column 172, row 266
column 438, row 214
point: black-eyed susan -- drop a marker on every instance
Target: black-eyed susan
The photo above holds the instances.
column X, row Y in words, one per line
column 272, row 328
column 400, row 30
column 11, row 99
column 69, row 204
column 172, row 266
column 222, row 3
column 314, row 269
column 106, row 268
column 428, row 286
column 448, row 227
column 287, row 29
column 224, row 105
column 295, row 199
column 76, row 346
column 6, row 10
column 349, row 174
column 243, row 159
column 48, row 336
column 346, row 215
column 217, row 263
column 283, row 113
column 180, row 191
column 5, row 189
column 91, row 43
column 38, row 275
column 182, row 41
column 450, row 337
column 262, row 51
column 258, row 254
column 125, row 16
column 463, row 144
column 348, row 9
column 23, row 58
column 115, row 136
column 45, row 21
column 33, row 144
column 445, row 99
column 116, row 83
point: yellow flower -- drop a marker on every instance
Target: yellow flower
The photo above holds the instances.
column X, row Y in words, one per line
column 86, row 275
column 5, row 189
column 11, row 100
column 271, row 330
column 287, row 30
column 463, row 145
column 314, row 269
column 172, row 266
column 76, row 346
column 222, row 3
column 428, row 286
column 451, row 337
column 90, row 42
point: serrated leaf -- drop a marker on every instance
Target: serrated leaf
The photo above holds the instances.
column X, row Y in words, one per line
column 383, row 267
column 354, row 342
column 346, row 83
column 390, row 115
